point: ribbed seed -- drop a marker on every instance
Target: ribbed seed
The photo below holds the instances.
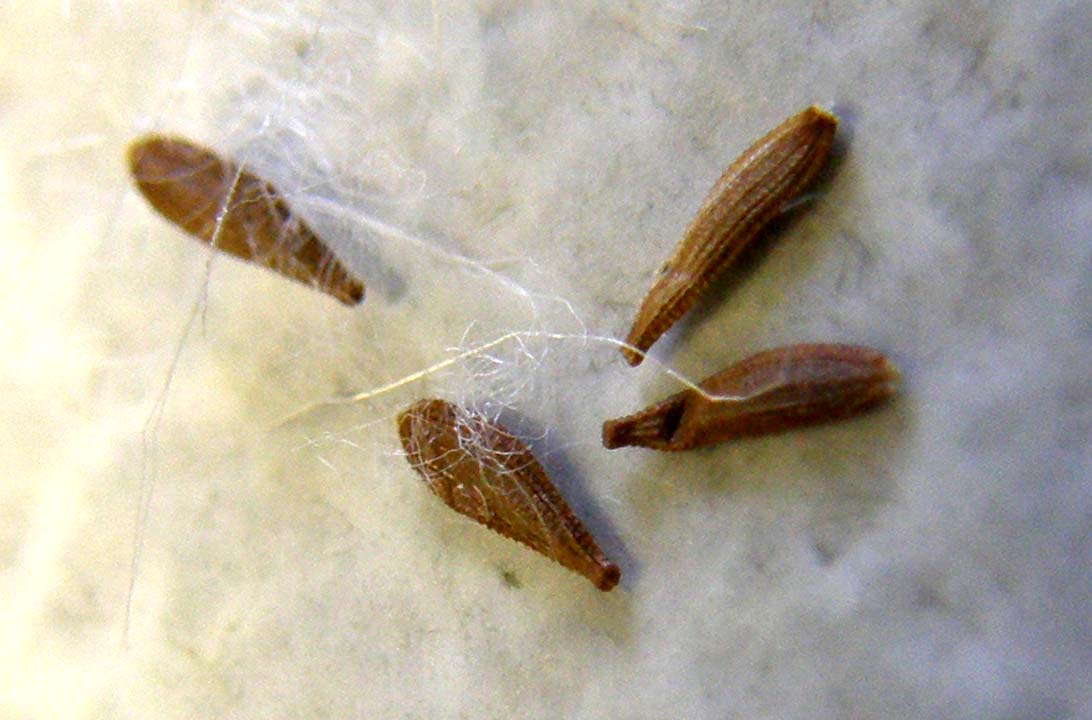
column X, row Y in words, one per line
column 224, row 205
column 750, row 193
column 768, row 392
column 484, row 472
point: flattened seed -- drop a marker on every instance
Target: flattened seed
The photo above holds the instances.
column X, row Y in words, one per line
column 750, row 193
column 772, row 391
column 484, row 472
column 223, row 205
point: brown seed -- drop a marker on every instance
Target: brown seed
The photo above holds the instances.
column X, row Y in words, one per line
column 750, row 193
column 768, row 392
column 484, row 472
column 223, row 205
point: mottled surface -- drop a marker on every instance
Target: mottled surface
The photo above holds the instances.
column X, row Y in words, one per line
column 504, row 166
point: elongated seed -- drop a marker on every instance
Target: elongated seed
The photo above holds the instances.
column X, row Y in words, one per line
column 772, row 391
column 750, row 193
column 224, row 205
column 484, row 472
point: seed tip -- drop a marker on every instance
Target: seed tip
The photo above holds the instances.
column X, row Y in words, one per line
column 891, row 375
column 822, row 115
column 608, row 576
column 612, row 434
column 632, row 357
column 354, row 293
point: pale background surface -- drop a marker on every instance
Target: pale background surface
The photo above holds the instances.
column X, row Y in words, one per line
column 498, row 166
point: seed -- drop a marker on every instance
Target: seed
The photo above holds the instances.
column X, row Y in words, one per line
column 772, row 391
column 751, row 192
column 484, row 472
column 226, row 206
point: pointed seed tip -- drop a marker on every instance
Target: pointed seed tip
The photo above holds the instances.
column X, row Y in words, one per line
column 892, row 375
column 633, row 358
column 609, row 577
column 355, row 294
column 822, row 114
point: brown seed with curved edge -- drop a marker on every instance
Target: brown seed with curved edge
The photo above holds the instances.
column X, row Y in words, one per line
column 772, row 391
column 758, row 186
column 226, row 206
column 484, row 472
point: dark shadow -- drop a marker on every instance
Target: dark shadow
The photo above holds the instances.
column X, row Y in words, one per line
column 755, row 254
column 845, row 472
column 741, row 270
column 850, row 455
column 387, row 281
column 353, row 248
column 848, row 117
column 565, row 476
column 855, row 465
